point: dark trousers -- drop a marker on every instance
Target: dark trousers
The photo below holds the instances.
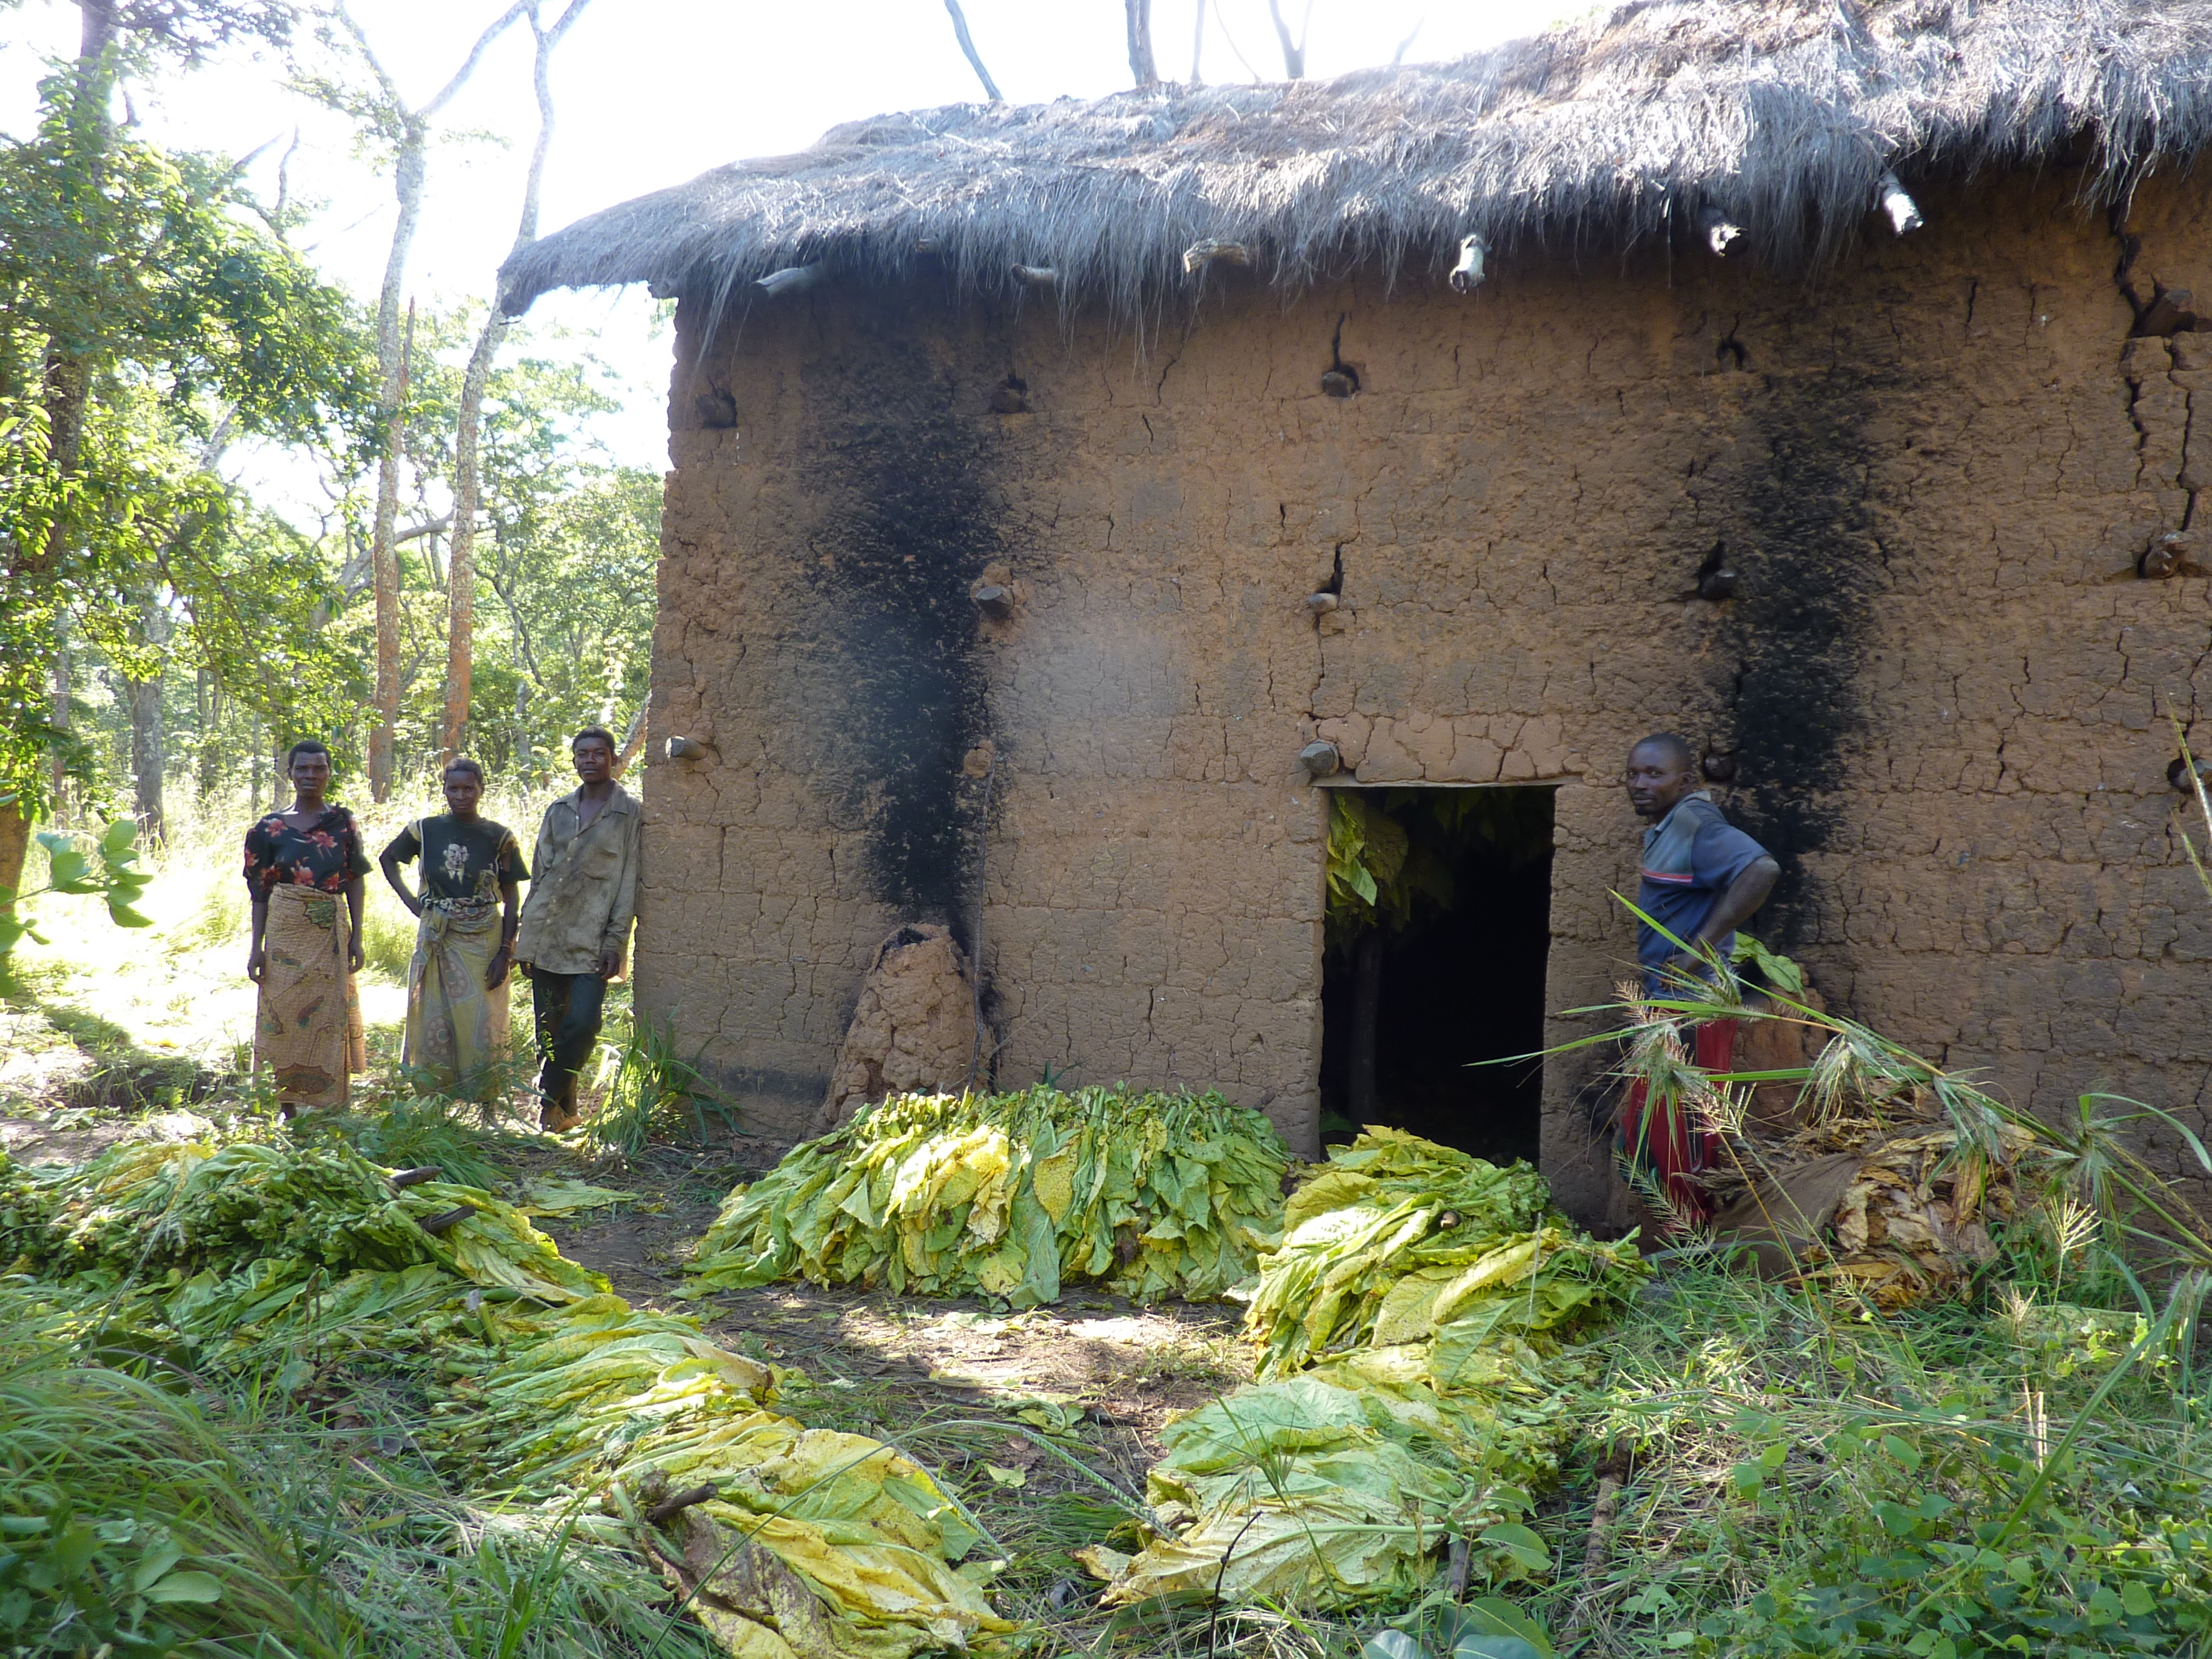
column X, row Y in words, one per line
column 567, row 1007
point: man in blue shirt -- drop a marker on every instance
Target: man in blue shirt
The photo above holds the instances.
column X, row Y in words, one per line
column 1703, row 878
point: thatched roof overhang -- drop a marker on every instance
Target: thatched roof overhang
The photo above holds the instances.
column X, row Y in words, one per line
column 1634, row 123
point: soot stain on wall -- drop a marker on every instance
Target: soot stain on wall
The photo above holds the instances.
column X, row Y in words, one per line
column 1801, row 530
column 896, row 696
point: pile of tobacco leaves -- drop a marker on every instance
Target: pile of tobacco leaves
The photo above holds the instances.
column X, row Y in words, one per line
column 1417, row 1387
column 1146, row 1195
column 542, row 1387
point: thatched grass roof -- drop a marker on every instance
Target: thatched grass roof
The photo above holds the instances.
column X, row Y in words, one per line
column 1627, row 125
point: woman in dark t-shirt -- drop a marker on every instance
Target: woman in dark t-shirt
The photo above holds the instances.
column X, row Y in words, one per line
column 456, row 984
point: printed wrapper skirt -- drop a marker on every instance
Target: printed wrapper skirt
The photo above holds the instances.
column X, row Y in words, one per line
column 457, row 1030
column 307, row 1032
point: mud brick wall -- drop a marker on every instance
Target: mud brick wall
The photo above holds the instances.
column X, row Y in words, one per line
column 1945, row 687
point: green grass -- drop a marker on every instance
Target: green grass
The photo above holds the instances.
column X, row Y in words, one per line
column 387, row 940
column 1811, row 1478
column 404, row 1132
column 648, row 1091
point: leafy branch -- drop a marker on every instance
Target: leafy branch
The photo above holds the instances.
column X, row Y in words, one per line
column 109, row 870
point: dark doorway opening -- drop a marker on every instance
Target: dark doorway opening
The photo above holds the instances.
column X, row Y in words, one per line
column 1439, row 925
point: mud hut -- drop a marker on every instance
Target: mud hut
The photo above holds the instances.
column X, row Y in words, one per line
column 1816, row 379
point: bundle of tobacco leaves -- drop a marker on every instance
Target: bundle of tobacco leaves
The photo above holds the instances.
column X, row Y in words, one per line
column 1897, row 1206
column 1417, row 1387
column 1392, row 1237
column 144, row 1208
column 545, row 1389
column 1012, row 1195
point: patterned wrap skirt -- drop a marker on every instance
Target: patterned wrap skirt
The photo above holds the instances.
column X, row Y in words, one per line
column 457, row 1030
column 307, row 1032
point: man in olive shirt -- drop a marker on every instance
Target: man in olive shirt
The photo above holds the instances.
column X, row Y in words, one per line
column 575, row 923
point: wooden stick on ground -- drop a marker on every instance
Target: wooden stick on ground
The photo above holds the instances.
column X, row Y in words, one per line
column 1613, row 1476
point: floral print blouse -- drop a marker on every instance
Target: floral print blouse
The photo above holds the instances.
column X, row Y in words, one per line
column 326, row 856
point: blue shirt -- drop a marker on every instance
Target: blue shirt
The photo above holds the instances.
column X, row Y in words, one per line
column 1691, row 857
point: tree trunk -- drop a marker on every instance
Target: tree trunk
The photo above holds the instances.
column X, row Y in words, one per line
column 1138, row 14
column 209, row 696
column 410, row 165
column 67, row 381
column 461, row 572
column 461, row 589
column 968, row 50
column 633, row 740
column 1294, row 52
column 59, row 805
column 146, row 753
column 14, row 843
column 254, row 773
column 1198, row 46
column 524, row 756
column 384, row 553
column 1366, row 1017
column 149, row 742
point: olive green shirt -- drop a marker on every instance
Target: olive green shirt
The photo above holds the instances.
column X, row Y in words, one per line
column 585, row 892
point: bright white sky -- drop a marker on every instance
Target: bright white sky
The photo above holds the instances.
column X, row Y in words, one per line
column 650, row 93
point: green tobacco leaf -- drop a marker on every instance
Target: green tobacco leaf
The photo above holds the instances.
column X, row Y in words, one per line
column 155, row 1562
column 1488, row 1620
column 123, row 916
column 1528, row 1551
column 1778, row 970
column 118, row 838
column 1391, row 1645
column 186, row 1587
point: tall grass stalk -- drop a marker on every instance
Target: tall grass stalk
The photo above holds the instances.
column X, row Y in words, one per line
column 648, row 1091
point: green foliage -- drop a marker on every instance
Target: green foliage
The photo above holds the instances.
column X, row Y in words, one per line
column 413, row 1132
column 1391, row 852
column 123, row 1524
column 110, row 869
column 142, row 312
column 300, row 1271
column 1012, row 1195
column 1488, row 1627
column 387, row 941
column 1778, row 971
column 232, row 1518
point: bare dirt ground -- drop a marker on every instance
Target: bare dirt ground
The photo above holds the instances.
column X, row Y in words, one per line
column 1114, row 1362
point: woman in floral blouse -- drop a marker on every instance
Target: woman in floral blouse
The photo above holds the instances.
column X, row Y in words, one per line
column 306, row 945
